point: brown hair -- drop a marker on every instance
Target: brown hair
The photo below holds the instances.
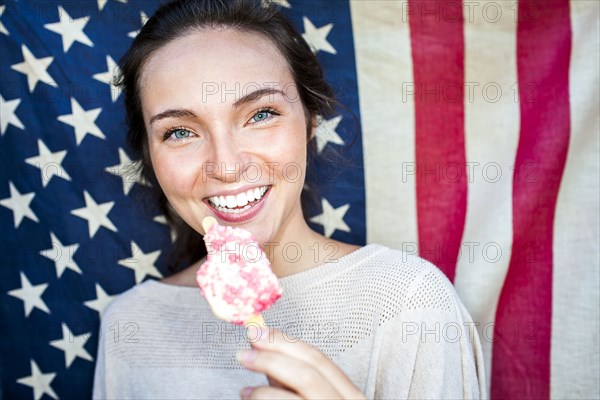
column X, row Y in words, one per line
column 175, row 19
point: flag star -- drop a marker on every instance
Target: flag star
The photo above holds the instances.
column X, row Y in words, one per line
column 141, row 263
column 161, row 219
column 71, row 30
column 332, row 218
column 317, row 37
column 82, row 121
column 7, row 114
column 31, row 295
column 143, row 19
column 2, row 27
column 102, row 3
column 128, row 171
column 95, row 214
column 72, row 345
column 19, row 204
column 109, row 76
column 34, row 68
column 283, row 3
column 326, row 132
column 61, row 255
column 101, row 302
column 49, row 163
column 39, row 382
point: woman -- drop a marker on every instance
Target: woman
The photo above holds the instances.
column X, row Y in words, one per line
column 222, row 99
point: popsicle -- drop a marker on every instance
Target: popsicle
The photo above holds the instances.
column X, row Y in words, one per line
column 236, row 279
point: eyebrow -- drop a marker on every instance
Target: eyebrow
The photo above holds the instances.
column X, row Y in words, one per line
column 257, row 94
column 173, row 113
column 248, row 98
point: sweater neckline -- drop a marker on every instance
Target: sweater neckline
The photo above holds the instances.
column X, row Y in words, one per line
column 297, row 282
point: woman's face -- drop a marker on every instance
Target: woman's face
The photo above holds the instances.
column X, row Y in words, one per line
column 226, row 131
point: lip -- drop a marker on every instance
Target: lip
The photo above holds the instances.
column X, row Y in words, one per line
column 243, row 216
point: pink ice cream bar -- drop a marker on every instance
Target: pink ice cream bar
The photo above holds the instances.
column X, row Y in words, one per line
column 236, row 279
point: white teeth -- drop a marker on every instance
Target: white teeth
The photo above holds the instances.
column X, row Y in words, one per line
column 234, row 211
column 240, row 200
column 231, row 203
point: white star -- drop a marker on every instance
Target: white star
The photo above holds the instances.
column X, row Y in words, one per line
column 19, row 204
column 31, row 295
column 2, row 27
column 161, row 219
column 61, row 255
column 143, row 19
column 141, row 263
column 49, row 163
column 326, row 132
column 95, row 214
column 317, row 37
column 7, row 114
column 72, row 345
column 102, row 3
column 34, row 68
column 83, row 121
column 109, row 76
column 70, row 29
column 127, row 170
column 332, row 218
column 39, row 382
column 283, row 3
column 101, row 302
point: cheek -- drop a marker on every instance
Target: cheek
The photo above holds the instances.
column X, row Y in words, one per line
column 175, row 176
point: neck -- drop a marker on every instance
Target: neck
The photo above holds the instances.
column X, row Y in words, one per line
column 295, row 248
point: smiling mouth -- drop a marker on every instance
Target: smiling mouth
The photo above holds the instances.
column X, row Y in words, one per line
column 239, row 203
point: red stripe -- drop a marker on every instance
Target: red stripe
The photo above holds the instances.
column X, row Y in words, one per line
column 521, row 351
column 437, row 43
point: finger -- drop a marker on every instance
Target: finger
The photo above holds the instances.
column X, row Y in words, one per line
column 267, row 393
column 290, row 372
column 277, row 341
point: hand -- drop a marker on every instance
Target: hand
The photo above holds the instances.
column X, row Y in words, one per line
column 295, row 369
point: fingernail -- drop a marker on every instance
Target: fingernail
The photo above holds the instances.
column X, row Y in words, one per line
column 246, row 356
column 246, row 392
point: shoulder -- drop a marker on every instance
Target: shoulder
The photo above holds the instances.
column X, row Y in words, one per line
column 129, row 303
column 404, row 280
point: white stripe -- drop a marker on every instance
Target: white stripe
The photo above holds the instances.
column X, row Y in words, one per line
column 384, row 66
column 491, row 140
column 575, row 297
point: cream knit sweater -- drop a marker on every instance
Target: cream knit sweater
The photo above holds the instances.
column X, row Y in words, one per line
column 391, row 321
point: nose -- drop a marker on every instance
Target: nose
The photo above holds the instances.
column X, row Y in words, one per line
column 226, row 160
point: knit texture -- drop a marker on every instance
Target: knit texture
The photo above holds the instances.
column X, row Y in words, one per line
column 391, row 321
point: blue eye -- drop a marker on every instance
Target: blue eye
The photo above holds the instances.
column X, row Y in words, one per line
column 261, row 116
column 177, row 134
column 181, row 134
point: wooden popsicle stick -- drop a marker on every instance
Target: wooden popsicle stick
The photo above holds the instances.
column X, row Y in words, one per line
column 257, row 319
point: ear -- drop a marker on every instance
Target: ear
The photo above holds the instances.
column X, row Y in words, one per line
column 314, row 123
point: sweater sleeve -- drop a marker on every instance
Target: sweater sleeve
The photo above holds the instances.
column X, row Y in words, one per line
column 436, row 337
column 99, row 388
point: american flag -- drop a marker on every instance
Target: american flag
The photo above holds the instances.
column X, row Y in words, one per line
column 477, row 147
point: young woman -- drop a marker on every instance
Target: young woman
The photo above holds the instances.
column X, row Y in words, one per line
column 222, row 99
